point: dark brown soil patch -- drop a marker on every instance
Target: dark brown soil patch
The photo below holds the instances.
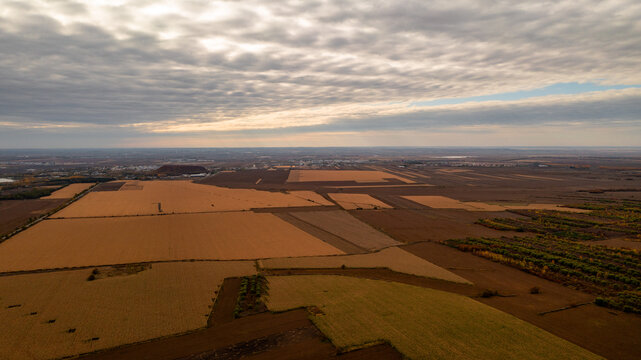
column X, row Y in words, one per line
column 15, row 213
column 109, row 186
column 287, row 335
column 430, row 224
column 247, row 178
column 223, row 310
column 387, row 275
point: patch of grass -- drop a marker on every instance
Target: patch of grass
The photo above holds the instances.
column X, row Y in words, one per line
column 419, row 322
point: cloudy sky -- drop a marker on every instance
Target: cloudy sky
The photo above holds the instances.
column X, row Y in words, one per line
column 191, row 73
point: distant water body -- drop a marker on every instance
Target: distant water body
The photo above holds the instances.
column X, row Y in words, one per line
column 5, row 180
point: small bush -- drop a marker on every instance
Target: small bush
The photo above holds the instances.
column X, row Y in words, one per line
column 487, row 293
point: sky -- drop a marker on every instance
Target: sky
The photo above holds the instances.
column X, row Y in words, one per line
column 191, row 73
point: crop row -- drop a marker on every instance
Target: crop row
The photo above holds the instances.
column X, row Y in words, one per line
column 557, row 260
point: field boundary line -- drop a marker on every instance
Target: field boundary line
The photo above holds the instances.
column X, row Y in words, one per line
column 46, row 215
column 572, row 306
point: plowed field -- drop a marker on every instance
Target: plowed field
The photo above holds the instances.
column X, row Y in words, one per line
column 363, row 176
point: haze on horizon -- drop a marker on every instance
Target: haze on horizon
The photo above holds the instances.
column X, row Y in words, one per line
column 197, row 73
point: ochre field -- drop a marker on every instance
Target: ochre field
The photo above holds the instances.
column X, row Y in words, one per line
column 344, row 225
column 421, row 323
column 69, row 191
column 363, row 176
column 166, row 197
column 443, row 202
column 60, row 243
column 393, row 258
column 62, row 314
column 358, row 201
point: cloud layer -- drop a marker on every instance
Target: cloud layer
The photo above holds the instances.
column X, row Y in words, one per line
column 144, row 68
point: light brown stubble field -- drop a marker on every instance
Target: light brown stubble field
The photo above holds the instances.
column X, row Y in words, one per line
column 60, row 243
column 357, row 201
column 166, row 299
column 69, row 191
column 183, row 197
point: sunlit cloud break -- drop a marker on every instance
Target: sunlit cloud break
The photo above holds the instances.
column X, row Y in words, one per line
column 122, row 70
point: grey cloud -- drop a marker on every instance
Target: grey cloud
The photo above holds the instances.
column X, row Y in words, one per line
column 349, row 52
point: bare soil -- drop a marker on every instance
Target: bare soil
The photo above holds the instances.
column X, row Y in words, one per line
column 15, row 213
column 223, row 309
column 287, row 335
column 430, row 224
column 109, row 186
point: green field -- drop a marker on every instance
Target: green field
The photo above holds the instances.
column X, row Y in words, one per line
column 421, row 323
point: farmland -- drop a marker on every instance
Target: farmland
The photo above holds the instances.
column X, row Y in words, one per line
column 58, row 314
column 420, row 323
column 166, row 197
column 69, row 191
column 557, row 253
column 359, row 176
column 98, row 241
column 357, row 201
column 347, row 227
column 443, row 202
column 427, row 261
column 392, row 258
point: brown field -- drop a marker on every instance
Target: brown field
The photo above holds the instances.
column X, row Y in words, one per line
column 421, row 323
column 62, row 314
column 14, row 213
column 360, row 176
column 443, row 202
column 357, row 201
column 393, row 258
column 100, row 241
column 183, row 197
column 69, row 191
column 344, row 225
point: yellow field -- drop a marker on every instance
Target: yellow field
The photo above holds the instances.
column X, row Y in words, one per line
column 393, row 258
column 363, row 176
column 421, row 323
column 69, row 191
column 443, row 202
column 356, row 201
column 167, row 299
column 344, row 225
column 144, row 197
column 118, row 240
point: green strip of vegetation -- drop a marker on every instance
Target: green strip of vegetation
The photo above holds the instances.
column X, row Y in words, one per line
column 34, row 193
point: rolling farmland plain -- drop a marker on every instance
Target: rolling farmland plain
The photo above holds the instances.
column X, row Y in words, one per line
column 371, row 262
